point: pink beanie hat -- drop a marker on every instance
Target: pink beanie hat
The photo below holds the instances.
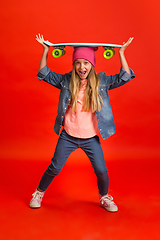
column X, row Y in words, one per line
column 85, row 53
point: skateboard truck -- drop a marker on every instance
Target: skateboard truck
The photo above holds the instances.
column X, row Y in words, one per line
column 109, row 52
column 58, row 51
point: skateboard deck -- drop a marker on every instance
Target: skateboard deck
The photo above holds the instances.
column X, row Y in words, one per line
column 59, row 48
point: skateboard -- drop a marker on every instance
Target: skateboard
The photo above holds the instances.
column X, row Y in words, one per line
column 59, row 48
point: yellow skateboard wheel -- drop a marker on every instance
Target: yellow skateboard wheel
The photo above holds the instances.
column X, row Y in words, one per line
column 108, row 53
column 57, row 53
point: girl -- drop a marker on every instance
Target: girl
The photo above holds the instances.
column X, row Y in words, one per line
column 84, row 111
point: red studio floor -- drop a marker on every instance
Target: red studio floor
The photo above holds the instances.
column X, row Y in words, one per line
column 70, row 207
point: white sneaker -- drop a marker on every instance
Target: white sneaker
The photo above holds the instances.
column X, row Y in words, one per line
column 37, row 199
column 106, row 202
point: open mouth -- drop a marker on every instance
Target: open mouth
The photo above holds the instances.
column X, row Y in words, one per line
column 82, row 73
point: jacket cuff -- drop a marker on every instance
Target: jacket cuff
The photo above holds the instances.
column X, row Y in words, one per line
column 43, row 72
column 125, row 76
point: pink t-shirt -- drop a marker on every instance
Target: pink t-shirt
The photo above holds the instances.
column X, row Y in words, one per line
column 80, row 124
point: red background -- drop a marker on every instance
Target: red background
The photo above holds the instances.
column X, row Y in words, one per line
column 28, row 106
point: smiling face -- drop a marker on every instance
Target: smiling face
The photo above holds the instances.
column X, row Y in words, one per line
column 83, row 68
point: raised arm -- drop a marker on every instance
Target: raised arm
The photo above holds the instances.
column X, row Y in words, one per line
column 43, row 61
column 123, row 60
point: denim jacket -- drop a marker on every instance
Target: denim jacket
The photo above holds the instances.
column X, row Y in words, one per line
column 104, row 116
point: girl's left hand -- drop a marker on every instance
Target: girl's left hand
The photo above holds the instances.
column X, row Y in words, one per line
column 125, row 45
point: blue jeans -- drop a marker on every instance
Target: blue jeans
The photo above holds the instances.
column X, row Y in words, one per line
column 65, row 146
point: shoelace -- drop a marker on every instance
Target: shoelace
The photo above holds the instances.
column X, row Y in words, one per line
column 106, row 198
column 37, row 195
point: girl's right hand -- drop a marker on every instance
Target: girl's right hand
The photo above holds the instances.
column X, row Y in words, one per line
column 40, row 39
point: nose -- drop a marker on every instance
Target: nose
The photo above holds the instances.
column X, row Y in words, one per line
column 81, row 66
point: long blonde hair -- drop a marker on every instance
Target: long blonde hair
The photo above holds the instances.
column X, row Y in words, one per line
column 92, row 99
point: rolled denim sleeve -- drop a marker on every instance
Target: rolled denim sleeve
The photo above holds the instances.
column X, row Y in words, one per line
column 120, row 79
column 43, row 73
column 52, row 78
column 125, row 76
